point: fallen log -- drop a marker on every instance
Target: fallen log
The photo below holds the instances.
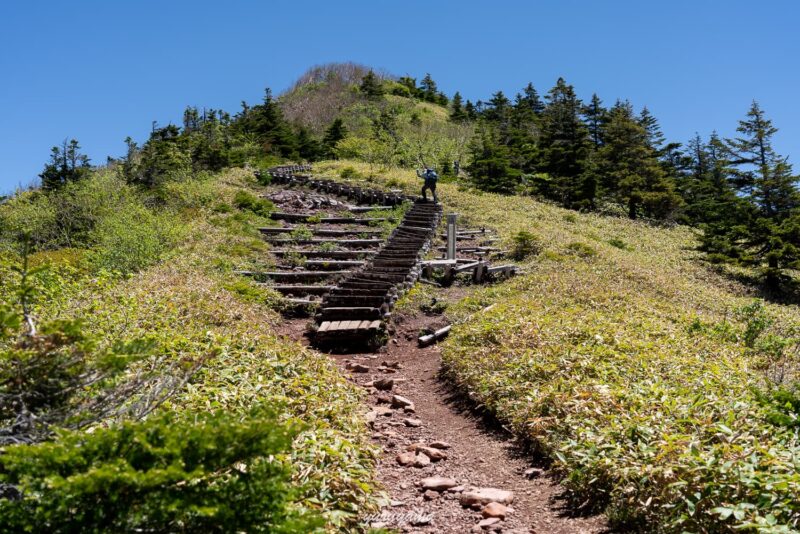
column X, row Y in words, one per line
column 429, row 339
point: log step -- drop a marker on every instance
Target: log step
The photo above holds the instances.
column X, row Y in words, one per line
column 300, row 289
column 330, row 326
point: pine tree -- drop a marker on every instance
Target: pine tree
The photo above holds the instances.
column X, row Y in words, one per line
column 595, row 116
column 655, row 137
column 67, row 164
column 770, row 237
column 564, row 144
column 335, row 133
column 491, row 165
column 762, row 174
column 371, row 86
column 308, row 147
column 498, row 110
column 429, row 89
column 266, row 121
column 457, row 113
column 470, row 111
column 632, row 174
column 531, row 99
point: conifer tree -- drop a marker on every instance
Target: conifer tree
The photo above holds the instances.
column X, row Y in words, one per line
column 491, row 165
column 67, row 164
column 371, row 86
column 531, row 99
column 564, row 144
column 428, row 89
column 632, row 174
column 595, row 116
column 770, row 237
column 335, row 133
column 457, row 113
column 470, row 111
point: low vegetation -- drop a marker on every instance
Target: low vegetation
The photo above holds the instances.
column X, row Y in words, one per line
column 163, row 352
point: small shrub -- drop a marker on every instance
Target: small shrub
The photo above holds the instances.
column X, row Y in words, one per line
column 246, row 201
column 618, row 243
column 570, row 218
column 222, row 207
column 582, row 250
column 349, row 172
column 133, row 238
column 198, row 473
column 433, row 307
column 525, row 245
column 302, row 232
column 247, row 291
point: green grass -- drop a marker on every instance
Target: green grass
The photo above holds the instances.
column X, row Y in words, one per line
column 622, row 356
column 199, row 313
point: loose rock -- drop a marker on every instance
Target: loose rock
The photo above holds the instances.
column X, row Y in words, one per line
column 412, row 422
column 481, row 496
column 487, row 524
column 438, row 483
column 420, row 460
column 383, row 384
column 357, row 367
column 430, row 495
column 406, row 458
column 401, row 402
column 495, row 509
column 433, row 454
column 439, row 445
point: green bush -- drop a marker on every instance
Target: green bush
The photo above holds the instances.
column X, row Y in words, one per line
column 133, row 238
column 205, row 472
column 525, row 244
column 349, row 172
column 247, row 201
column 618, row 243
column 582, row 250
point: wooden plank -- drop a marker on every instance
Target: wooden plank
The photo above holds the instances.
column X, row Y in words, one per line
column 374, row 325
column 334, row 325
column 324, row 326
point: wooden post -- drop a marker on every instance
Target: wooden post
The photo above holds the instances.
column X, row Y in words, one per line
column 451, row 236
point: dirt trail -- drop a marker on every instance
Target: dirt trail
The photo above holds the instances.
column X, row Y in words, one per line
column 479, row 454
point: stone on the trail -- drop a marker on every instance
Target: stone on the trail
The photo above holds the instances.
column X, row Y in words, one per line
column 420, row 460
column 456, row 489
column 412, row 422
column 406, row 458
column 370, row 417
column 395, row 504
column 490, row 523
column 383, row 384
column 476, row 498
column 383, row 410
column 439, row 445
column 357, row 367
column 430, row 495
column 534, row 472
column 401, row 402
column 434, row 454
column 418, row 520
column 384, row 398
column 495, row 509
column 438, row 483
column 392, row 365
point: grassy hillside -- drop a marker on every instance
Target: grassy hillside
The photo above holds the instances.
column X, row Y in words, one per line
column 648, row 378
column 195, row 314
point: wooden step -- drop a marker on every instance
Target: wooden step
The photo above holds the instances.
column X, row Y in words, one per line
column 331, row 326
column 300, row 289
column 332, row 254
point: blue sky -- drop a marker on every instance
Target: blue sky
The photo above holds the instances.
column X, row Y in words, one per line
column 99, row 71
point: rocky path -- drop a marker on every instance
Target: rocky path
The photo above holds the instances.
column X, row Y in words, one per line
column 445, row 468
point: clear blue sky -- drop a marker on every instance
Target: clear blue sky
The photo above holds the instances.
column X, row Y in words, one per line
column 99, row 71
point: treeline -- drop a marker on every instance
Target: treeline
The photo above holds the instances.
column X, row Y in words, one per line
column 587, row 156
column 582, row 155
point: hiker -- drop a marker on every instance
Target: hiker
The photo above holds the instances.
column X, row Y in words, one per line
column 430, row 177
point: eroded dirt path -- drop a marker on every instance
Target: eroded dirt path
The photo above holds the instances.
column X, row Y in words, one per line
column 478, row 453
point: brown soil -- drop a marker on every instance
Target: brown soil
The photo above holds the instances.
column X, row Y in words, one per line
column 482, row 454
